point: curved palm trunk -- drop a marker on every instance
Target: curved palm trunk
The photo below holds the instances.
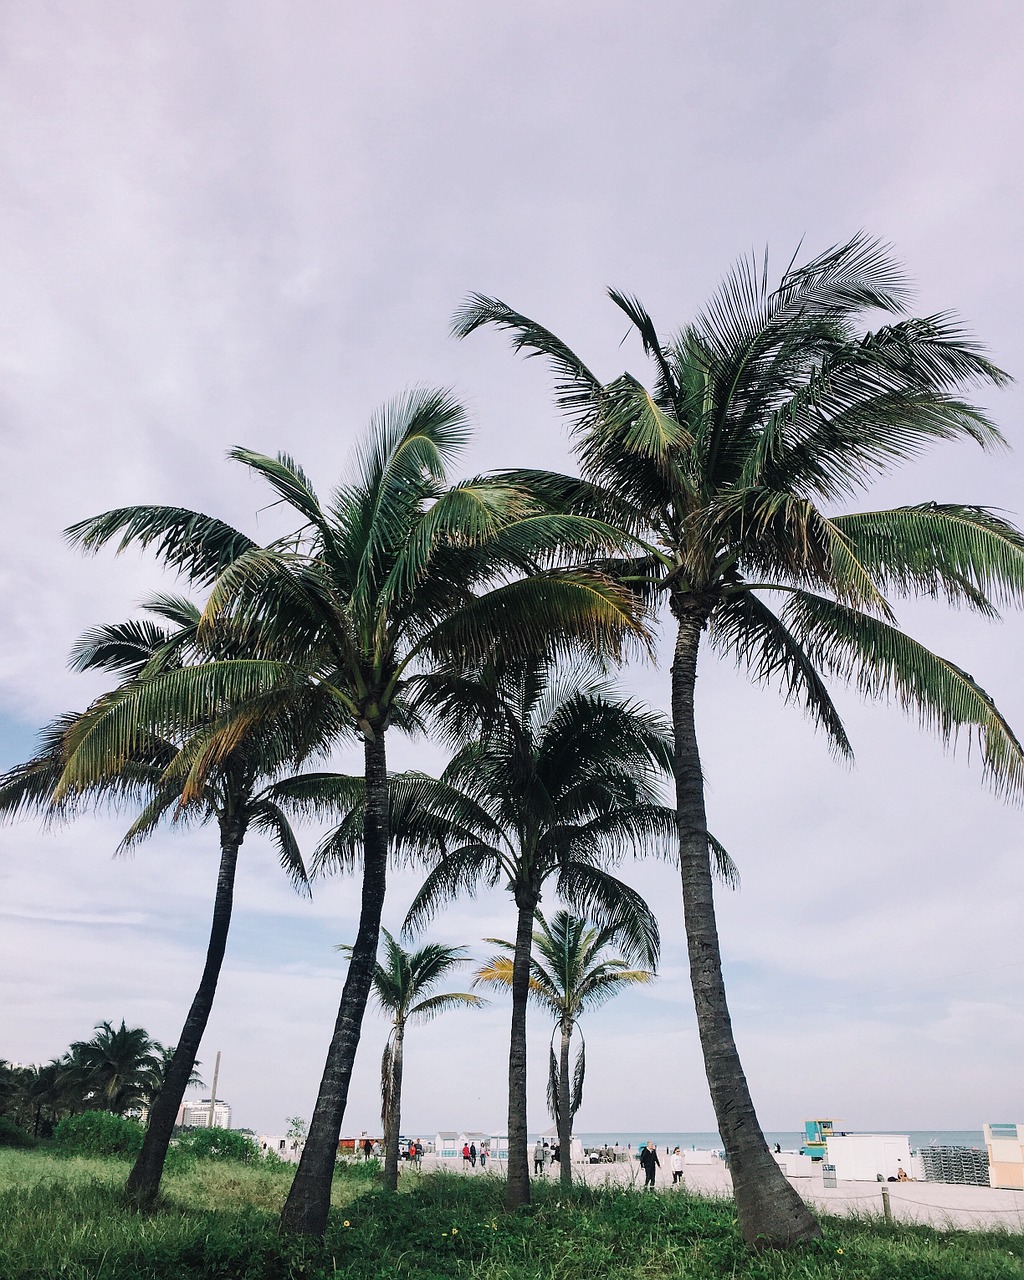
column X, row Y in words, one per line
column 144, row 1180
column 309, row 1199
column 564, row 1110
column 770, row 1211
column 517, row 1189
column 393, row 1111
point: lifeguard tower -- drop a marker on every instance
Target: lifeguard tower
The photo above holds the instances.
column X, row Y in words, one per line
column 816, row 1135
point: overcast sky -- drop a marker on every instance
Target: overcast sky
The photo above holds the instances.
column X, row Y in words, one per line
column 249, row 223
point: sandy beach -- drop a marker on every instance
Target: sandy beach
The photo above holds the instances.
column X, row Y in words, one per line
column 937, row 1204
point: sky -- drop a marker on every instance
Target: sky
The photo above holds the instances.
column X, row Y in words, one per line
column 250, row 223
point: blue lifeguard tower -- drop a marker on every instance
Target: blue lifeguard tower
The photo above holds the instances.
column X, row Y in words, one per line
column 816, row 1134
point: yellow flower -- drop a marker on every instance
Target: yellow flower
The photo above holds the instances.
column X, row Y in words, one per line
column 455, row 1231
column 347, row 1223
column 839, row 1251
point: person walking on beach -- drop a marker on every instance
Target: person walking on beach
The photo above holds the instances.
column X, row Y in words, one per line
column 540, row 1158
column 367, row 1149
column 472, row 1154
column 483, row 1157
column 465, row 1155
column 676, row 1165
column 649, row 1162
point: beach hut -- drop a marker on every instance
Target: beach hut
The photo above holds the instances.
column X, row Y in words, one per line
column 1005, row 1144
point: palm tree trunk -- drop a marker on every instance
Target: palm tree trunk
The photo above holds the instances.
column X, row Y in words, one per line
column 770, row 1211
column 517, row 1189
column 309, row 1199
column 564, row 1111
column 393, row 1119
column 144, row 1180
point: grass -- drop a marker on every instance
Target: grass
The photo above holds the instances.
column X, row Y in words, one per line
column 64, row 1219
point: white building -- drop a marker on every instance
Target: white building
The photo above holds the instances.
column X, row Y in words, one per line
column 281, row 1145
column 195, row 1114
column 866, row 1157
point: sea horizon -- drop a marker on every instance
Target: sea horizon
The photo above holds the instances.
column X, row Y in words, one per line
column 789, row 1140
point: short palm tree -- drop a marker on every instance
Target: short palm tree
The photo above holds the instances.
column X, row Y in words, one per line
column 117, row 1070
column 771, row 403
column 570, row 972
column 180, row 764
column 401, row 986
column 562, row 782
column 398, row 572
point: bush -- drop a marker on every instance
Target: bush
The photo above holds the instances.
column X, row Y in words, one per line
column 217, row 1144
column 98, row 1133
column 12, row 1136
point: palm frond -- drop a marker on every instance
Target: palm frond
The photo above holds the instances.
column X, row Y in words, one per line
column 881, row 661
column 745, row 627
column 196, row 544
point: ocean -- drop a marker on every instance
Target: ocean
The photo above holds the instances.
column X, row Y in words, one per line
column 788, row 1141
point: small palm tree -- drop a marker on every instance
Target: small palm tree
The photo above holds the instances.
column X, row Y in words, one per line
column 770, row 404
column 570, row 972
column 562, row 782
column 117, row 1070
column 398, row 573
column 401, row 986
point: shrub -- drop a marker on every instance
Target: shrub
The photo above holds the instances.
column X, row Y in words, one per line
column 98, row 1133
column 217, row 1144
column 12, row 1136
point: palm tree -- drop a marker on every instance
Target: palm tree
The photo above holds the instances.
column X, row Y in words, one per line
column 570, row 972
column 102, row 756
column 770, row 403
column 117, row 1070
column 401, row 986
column 562, row 782
column 400, row 572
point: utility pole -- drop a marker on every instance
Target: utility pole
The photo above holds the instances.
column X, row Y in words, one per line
column 213, row 1091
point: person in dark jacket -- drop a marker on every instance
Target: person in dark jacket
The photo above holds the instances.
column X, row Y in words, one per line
column 649, row 1162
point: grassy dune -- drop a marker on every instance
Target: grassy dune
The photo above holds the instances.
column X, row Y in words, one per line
column 64, row 1219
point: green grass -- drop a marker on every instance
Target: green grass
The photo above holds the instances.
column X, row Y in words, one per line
column 64, row 1219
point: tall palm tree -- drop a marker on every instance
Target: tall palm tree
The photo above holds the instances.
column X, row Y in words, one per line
column 117, row 1070
column 570, row 972
column 186, row 764
column 562, row 782
column 400, row 571
column 401, row 987
column 770, row 403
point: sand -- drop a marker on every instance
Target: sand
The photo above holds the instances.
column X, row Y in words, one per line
column 936, row 1204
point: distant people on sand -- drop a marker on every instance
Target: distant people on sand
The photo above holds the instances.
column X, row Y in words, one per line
column 676, row 1165
column 556, row 1153
column 540, row 1157
column 367, row 1149
column 901, row 1174
column 472, row 1154
column 778, row 1149
column 465, row 1155
column 649, row 1162
column 483, row 1156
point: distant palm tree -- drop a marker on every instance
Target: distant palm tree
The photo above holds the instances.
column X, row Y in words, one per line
column 570, row 972
column 562, row 782
column 117, row 1070
column 401, row 986
column 770, row 403
column 398, row 573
